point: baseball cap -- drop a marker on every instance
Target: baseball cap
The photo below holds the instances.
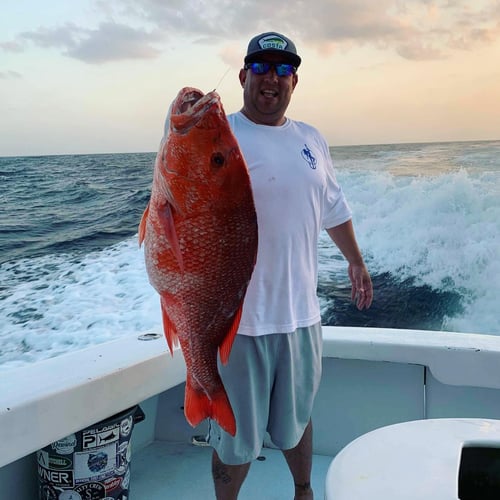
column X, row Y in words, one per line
column 272, row 42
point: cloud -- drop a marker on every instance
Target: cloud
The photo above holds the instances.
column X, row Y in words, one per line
column 413, row 29
column 108, row 42
column 11, row 47
column 111, row 42
column 9, row 75
column 418, row 52
column 53, row 37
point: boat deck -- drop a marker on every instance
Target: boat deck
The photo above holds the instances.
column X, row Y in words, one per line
column 181, row 470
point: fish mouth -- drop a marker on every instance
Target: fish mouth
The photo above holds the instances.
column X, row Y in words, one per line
column 187, row 99
column 189, row 107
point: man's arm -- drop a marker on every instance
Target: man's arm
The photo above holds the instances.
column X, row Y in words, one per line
column 362, row 289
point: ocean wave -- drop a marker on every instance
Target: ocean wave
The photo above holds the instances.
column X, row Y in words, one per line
column 72, row 275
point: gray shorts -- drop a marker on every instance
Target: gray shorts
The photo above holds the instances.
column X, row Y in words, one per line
column 271, row 381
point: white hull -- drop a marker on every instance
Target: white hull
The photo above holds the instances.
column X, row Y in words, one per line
column 371, row 378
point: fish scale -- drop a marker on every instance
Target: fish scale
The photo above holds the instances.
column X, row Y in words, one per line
column 200, row 236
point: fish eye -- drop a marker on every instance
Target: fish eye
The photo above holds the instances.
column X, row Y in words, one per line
column 218, row 159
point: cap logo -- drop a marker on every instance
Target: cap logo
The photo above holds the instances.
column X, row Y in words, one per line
column 272, row 42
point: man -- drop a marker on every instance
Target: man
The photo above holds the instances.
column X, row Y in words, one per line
column 275, row 365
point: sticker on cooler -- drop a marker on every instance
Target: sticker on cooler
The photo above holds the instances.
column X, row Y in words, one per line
column 52, row 461
column 58, row 479
column 95, row 465
column 126, row 426
column 69, row 495
column 65, row 446
column 92, row 490
column 95, row 438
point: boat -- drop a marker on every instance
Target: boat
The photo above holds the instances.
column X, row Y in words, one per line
column 381, row 390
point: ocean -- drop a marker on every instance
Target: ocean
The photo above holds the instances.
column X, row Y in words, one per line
column 427, row 217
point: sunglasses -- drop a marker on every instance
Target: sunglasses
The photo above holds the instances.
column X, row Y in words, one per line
column 261, row 68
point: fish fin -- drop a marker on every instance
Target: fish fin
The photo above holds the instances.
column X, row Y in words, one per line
column 227, row 344
column 168, row 328
column 167, row 220
column 142, row 225
column 222, row 412
column 198, row 406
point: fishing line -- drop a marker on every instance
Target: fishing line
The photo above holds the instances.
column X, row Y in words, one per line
column 223, row 76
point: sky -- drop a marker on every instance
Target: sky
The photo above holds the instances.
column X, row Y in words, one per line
column 98, row 76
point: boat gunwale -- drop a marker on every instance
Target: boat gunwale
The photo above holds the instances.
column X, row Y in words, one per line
column 91, row 384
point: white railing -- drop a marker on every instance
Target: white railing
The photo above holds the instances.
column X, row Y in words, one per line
column 46, row 401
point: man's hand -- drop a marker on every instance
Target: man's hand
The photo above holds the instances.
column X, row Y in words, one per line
column 362, row 288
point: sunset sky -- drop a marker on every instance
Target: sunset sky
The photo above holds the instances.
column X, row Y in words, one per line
column 96, row 76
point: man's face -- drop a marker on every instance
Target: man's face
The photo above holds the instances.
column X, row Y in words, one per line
column 266, row 97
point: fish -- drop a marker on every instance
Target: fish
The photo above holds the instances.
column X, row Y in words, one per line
column 200, row 237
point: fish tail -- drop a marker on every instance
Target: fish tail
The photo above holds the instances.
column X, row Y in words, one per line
column 198, row 406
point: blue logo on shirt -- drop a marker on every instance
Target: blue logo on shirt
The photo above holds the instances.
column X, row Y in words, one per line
column 309, row 157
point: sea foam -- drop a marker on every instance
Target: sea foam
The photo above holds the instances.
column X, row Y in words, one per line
column 71, row 302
